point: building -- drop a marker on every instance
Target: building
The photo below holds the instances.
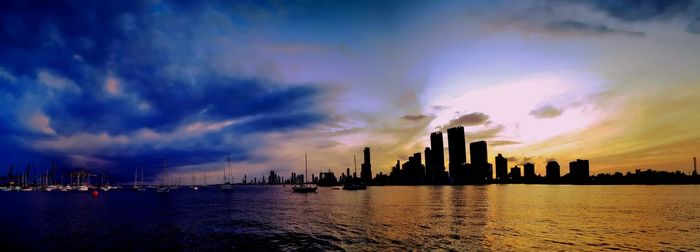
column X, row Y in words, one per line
column 429, row 166
column 327, row 179
column 457, row 152
column 479, row 161
column 579, row 170
column 437, row 156
column 501, row 167
column 529, row 170
column 515, row 172
column 553, row 172
column 366, row 168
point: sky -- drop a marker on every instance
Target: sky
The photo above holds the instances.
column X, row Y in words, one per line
column 116, row 85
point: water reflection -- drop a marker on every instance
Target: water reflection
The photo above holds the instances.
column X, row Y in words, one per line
column 491, row 217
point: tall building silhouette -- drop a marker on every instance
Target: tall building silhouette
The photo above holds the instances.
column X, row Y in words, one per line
column 515, row 173
column 457, row 151
column 479, row 161
column 529, row 170
column 437, row 155
column 579, row 170
column 429, row 166
column 695, row 167
column 553, row 172
column 501, row 167
column 366, row 171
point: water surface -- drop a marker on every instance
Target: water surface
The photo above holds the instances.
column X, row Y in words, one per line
column 492, row 217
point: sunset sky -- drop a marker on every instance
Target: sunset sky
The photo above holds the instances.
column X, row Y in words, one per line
column 116, row 84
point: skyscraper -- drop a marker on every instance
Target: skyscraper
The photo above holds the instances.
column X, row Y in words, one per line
column 429, row 166
column 457, row 151
column 579, row 170
column 437, row 155
column 553, row 173
column 529, row 170
column 515, row 172
column 366, row 171
column 480, row 163
column 501, row 167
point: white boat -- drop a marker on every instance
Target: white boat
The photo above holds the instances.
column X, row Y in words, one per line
column 26, row 189
column 4, row 189
column 163, row 189
column 50, row 188
column 83, row 188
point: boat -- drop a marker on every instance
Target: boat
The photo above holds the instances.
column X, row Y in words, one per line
column 83, row 188
column 227, row 185
column 163, row 189
column 194, row 181
column 303, row 187
column 353, row 185
column 4, row 188
column 50, row 188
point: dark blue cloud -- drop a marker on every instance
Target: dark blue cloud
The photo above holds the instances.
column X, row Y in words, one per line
column 642, row 10
column 573, row 26
column 649, row 10
column 57, row 57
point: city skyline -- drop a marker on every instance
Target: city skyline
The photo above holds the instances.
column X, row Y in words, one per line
column 609, row 82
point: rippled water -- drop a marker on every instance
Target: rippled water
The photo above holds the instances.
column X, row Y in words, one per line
column 493, row 217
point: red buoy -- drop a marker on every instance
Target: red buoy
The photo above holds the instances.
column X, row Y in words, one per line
column 95, row 193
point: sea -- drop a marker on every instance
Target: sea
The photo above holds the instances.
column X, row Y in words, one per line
column 381, row 218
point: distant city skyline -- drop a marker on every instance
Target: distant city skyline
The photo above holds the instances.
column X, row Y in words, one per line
column 118, row 85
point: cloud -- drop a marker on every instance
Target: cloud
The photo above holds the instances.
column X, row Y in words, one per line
column 4, row 74
column 547, row 111
column 694, row 27
column 414, row 117
column 485, row 134
column 641, row 10
column 104, row 94
column 56, row 81
column 502, row 142
column 471, row 119
column 571, row 26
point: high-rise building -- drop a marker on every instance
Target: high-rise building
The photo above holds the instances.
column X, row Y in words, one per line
column 366, row 171
column 437, row 155
column 515, row 172
column 579, row 170
column 529, row 170
column 479, row 161
column 553, row 173
column 429, row 166
column 457, row 151
column 501, row 167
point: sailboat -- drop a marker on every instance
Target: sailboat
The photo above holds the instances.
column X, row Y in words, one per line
column 194, row 181
column 105, row 184
column 352, row 185
column 303, row 187
column 163, row 188
column 227, row 185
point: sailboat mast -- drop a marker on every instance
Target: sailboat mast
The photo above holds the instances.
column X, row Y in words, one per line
column 306, row 168
column 228, row 168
